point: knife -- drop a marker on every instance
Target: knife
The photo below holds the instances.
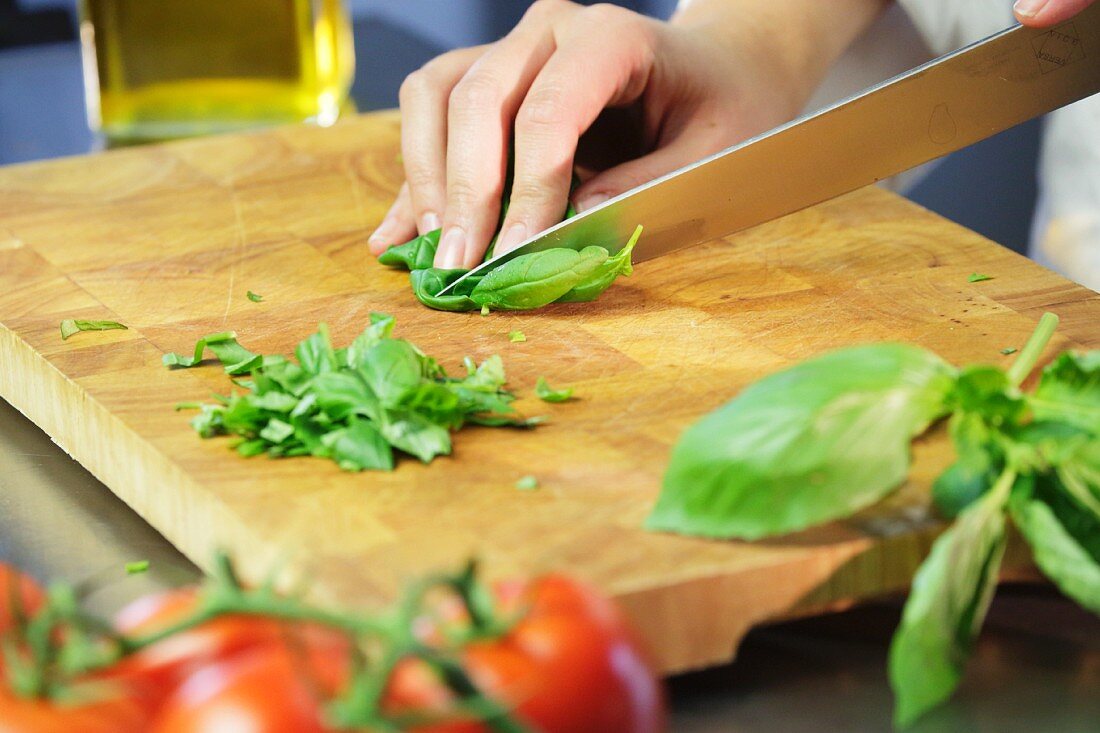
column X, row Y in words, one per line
column 923, row 114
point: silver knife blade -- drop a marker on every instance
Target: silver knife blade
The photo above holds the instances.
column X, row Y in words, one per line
column 923, row 114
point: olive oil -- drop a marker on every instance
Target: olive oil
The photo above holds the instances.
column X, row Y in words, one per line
column 158, row 69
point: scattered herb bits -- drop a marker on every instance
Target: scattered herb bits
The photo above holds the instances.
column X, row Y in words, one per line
column 358, row 406
column 255, row 297
column 517, row 337
column 137, row 567
column 527, row 483
column 1008, row 350
column 70, row 326
column 546, row 393
column 831, row 436
column 977, row 277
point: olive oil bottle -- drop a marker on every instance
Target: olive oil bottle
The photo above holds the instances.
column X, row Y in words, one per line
column 159, row 69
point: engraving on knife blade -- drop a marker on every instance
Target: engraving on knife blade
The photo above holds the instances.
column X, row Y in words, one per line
column 941, row 127
column 1057, row 48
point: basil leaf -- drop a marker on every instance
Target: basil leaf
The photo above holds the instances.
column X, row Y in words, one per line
column 803, row 446
column 617, row 265
column 416, row 254
column 416, row 435
column 362, row 447
column 976, row 468
column 225, row 348
column 977, row 277
column 1069, row 390
column 536, row 279
column 947, row 604
column 1068, row 552
column 342, row 394
column 391, row 369
column 427, row 284
column 517, row 337
column 546, row 393
column 315, row 353
column 527, row 483
column 255, row 297
column 70, row 326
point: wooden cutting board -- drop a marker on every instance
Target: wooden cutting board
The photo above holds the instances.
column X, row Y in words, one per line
column 169, row 239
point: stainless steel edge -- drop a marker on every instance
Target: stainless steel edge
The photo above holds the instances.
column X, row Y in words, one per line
column 923, row 114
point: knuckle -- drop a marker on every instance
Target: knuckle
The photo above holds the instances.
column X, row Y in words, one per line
column 463, row 194
column 543, row 108
column 544, row 9
column 420, row 177
column 416, row 85
column 476, row 91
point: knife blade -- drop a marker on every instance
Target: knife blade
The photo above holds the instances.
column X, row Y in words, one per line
column 923, row 114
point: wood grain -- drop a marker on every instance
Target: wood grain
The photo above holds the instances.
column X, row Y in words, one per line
column 168, row 239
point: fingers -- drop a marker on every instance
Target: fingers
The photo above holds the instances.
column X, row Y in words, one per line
column 1045, row 13
column 481, row 108
column 424, row 95
column 602, row 60
column 397, row 227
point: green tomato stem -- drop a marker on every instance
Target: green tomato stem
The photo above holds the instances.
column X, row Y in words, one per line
column 1025, row 362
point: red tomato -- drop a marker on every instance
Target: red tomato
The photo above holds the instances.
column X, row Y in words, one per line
column 114, row 715
column 162, row 667
column 571, row 664
column 267, row 690
column 14, row 584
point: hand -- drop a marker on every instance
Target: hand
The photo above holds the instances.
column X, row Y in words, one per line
column 1045, row 13
column 690, row 89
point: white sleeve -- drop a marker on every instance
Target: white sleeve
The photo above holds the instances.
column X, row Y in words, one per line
column 950, row 24
column 1066, row 228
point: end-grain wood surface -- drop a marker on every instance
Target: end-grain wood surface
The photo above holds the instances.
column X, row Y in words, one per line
column 168, row 240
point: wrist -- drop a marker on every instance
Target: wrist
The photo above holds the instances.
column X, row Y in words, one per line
column 793, row 42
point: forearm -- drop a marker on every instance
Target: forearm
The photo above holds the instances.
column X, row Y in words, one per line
column 802, row 38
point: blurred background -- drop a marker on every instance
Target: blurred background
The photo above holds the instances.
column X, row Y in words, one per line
column 989, row 187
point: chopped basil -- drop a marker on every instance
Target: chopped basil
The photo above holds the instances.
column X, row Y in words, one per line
column 546, row 393
column 977, row 277
column 517, row 337
column 69, row 326
column 527, row 483
column 139, row 566
column 255, row 297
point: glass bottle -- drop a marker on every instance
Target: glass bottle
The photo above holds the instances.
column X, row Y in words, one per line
column 159, row 69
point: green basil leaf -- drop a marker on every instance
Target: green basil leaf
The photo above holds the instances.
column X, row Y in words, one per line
column 976, row 468
column 806, row 445
column 391, row 368
column 225, row 348
column 947, row 604
column 427, row 284
column 517, row 337
column 255, row 297
column 977, row 277
column 342, row 394
column 70, row 326
column 1070, row 562
column 276, row 431
column 546, row 393
column 315, row 353
column 1069, row 390
column 362, row 447
column 617, row 265
column 416, row 435
column 416, row 254
column 537, row 279
column 527, row 483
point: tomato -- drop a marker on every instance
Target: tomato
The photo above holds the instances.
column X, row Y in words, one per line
column 266, row 690
column 17, row 588
column 111, row 715
column 570, row 664
column 162, row 667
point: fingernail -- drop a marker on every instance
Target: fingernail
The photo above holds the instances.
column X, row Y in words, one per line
column 511, row 239
column 1029, row 8
column 429, row 222
column 591, row 201
column 452, row 248
column 383, row 234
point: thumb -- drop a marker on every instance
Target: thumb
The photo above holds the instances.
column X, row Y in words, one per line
column 634, row 173
column 1045, row 13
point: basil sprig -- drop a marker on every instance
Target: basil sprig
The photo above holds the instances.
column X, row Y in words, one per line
column 831, row 436
column 354, row 405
